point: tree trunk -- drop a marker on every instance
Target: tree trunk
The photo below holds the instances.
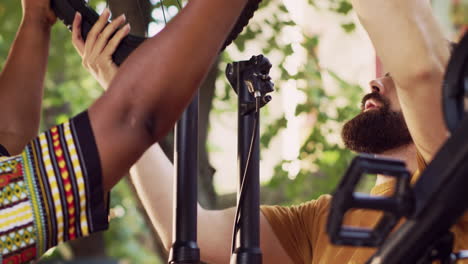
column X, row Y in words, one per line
column 137, row 12
column 206, row 192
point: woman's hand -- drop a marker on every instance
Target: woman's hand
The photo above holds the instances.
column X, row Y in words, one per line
column 99, row 46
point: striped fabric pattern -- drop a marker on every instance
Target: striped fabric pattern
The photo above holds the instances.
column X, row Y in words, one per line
column 47, row 196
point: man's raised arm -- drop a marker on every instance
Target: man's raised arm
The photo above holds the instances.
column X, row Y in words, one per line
column 414, row 50
column 22, row 78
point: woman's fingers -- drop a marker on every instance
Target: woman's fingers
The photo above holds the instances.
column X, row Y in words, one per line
column 77, row 39
column 101, row 43
column 115, row 41
column 96, row 31
column 106, row 34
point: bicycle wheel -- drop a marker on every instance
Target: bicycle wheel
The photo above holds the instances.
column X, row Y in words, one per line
column 455, row 86
column 66, row 9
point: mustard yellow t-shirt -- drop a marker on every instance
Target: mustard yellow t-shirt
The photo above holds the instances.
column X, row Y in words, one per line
column 301, row 229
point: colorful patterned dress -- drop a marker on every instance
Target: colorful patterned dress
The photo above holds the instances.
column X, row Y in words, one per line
column 51, row 193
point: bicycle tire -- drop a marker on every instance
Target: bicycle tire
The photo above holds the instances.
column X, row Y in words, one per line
column 455, row 86
column 65, row 11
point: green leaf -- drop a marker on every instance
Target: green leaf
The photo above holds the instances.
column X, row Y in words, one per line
column 349, row 27
column 272, row 130
column 344, row 7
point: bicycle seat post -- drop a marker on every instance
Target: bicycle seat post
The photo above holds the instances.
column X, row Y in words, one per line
column 251, row 82
column 184, row 247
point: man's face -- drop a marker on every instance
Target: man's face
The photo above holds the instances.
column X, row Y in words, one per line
column 380, row 126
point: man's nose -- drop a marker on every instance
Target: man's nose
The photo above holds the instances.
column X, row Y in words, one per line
column 377, row 86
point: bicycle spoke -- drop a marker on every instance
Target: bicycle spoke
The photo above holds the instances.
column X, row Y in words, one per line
column 164, row 13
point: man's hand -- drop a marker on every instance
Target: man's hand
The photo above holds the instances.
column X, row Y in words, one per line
column 99, row 46
column 39, row 11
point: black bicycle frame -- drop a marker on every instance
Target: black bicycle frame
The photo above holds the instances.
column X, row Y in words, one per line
column 248, row 238
column 184, row 248
column 441, row 198
column 251, row 82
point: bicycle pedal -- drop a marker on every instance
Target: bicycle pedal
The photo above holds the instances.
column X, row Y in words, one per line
column 394, row 207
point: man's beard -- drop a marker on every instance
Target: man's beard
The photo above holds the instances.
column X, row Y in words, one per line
column 377, row 130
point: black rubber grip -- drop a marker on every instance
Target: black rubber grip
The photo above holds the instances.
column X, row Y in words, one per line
column 66, row 9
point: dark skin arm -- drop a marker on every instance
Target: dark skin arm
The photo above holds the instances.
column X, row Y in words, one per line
column 21, row 97
column 157, row 82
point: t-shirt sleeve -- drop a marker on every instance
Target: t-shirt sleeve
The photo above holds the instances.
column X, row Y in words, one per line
column 296, row 227
column 52, row 192
column 421, row 162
